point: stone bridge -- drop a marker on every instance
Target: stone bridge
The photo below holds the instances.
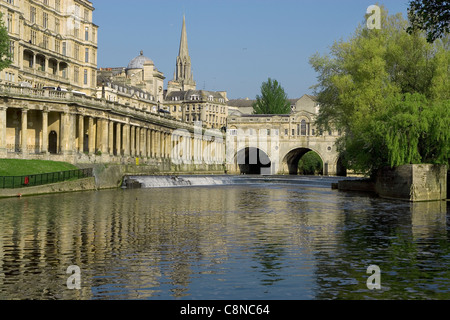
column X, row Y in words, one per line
column 274, row 144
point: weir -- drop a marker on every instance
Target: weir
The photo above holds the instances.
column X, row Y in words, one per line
column 171, row 181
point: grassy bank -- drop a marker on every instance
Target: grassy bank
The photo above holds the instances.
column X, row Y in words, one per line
column 18, row 167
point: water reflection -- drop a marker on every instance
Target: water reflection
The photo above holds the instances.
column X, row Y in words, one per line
column 246, row 242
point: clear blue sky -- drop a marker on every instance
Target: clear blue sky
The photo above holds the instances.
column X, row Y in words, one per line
column 234, row 45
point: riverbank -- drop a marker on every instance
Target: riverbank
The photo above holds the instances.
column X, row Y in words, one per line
column 105, row 177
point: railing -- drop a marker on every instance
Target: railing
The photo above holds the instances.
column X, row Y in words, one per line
column 85, row 100
column 43, row 178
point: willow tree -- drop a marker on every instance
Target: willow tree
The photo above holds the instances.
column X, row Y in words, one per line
column 273, row 99
column 388, row 91
column 431, row 16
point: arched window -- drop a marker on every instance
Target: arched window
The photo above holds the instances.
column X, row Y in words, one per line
column 303, row 128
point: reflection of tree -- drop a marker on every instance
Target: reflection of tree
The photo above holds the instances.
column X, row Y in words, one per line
column 269, row 255
column 413, row 266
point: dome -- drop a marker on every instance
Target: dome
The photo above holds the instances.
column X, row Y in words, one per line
column 139, row 61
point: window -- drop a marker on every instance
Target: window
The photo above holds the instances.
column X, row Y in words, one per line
column 33, row 14
column 57, row 46
column 76, row 51
column 57, row 26
column 76, row 74
column 64, row 49
column 86, row 55
column 86, row 15
column 286, row 132
column 86, row 33
column 33, row 36
column 45, row 20
column 58, row 5
column 174, row 108
column 85, row 76
column 11, row 49
column 233, row 132
column 9, row 24
column 45, row 42
column 303, row 128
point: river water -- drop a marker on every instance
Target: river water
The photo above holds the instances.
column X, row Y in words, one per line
column 258, row 238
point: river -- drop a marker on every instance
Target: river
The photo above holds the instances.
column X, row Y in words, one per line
column 250, row 238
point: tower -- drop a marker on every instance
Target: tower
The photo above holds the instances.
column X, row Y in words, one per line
column 183, row 79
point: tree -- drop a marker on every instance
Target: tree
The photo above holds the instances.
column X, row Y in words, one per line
column 273, row 99
column 431, row 16
column 5, row 52
column 310, row 164
column 387, row 90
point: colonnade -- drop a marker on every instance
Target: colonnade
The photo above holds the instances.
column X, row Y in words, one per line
column 60, row 131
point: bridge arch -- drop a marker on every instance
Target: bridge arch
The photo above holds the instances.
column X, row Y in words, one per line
column 253, row 160
column 293, row 156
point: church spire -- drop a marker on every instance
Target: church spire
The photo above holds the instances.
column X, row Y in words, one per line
column 183, row 71
column 184, row 51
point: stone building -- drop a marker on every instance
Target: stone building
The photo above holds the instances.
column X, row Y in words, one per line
column 53, row 43
column 192, row 106
column 279, row 141
column 51, row 107
column 188, row 104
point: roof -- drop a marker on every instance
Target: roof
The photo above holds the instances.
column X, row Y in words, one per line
column 139, row 61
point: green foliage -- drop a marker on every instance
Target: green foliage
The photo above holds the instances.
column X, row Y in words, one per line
column 310, row 164
column 273, row 99
column 388, row 91
column 5, row 54
column 431, row 16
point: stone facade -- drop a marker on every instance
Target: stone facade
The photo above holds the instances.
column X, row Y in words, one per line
column 283, row 139
column 53, row 43
column 64, row 126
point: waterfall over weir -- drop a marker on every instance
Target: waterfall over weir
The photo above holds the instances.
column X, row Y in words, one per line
column 171, row 181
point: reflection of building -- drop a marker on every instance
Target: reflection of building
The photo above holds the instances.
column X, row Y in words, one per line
column 52, row 43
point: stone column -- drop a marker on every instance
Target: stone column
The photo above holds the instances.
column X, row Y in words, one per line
column 3, row 149
column 111, row 138
column 80, row 133
column 133, row 141
column 44, row 131
column 156, row 145
column 149, row 144
column 91, row 136
column 161, row 146
column 168, row 148
column 138, row 142
column 24, row 142
column 126, row 140
column 118, row 138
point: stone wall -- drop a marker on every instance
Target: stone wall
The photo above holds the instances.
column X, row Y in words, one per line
column 111, row 176
column 67, row 186
column 416, row 182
